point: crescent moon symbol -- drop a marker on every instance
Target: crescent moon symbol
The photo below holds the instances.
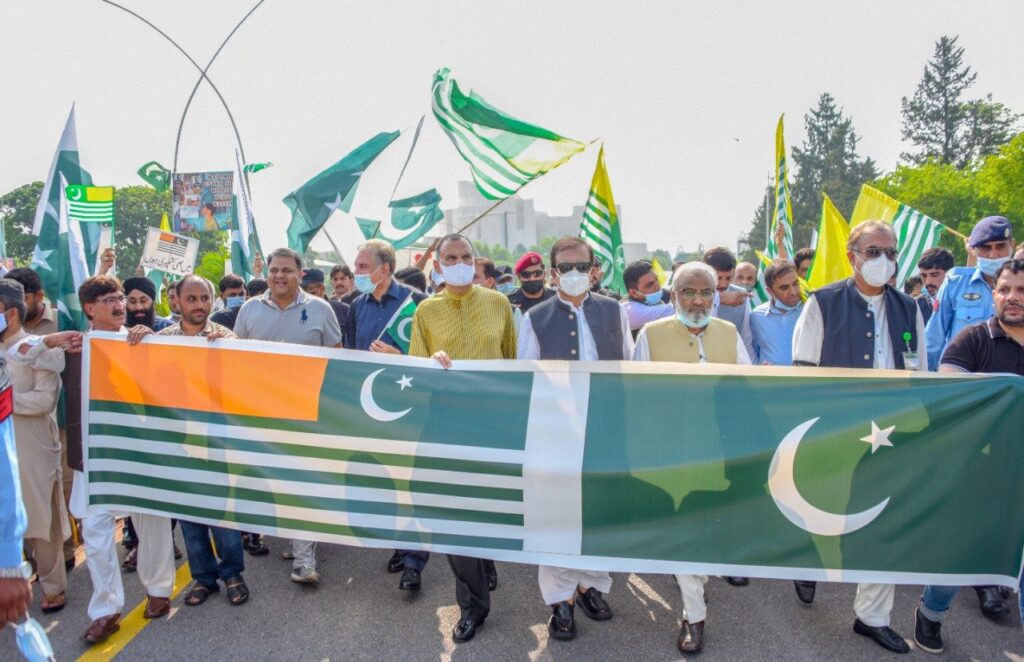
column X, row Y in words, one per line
column 371, row 408
column 403, row 330
column 76, row 194
column 798, row 510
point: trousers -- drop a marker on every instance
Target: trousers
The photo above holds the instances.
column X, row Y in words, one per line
column 560, row 584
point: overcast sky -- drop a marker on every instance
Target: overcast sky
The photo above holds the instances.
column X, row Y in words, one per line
column 685, row 95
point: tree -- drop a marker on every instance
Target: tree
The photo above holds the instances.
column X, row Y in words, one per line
column 826, row 163
column 757, row 237
column 17, row 212
column 945, row 126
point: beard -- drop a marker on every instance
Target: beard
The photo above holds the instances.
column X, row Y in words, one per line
column 137, row 317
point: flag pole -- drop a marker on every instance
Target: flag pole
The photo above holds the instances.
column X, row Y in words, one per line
column 334, row 245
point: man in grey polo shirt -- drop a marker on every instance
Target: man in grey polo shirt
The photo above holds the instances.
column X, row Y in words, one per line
column 284, row 313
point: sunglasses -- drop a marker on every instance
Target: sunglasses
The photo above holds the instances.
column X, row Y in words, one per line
column 530, row 275
column 566, row 267
column 872, row 252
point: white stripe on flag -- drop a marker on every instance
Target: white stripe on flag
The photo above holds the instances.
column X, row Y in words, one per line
column 552, row 473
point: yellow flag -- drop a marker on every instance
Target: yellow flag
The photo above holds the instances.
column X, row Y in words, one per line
column 873, row 205
column 659, row 272
column 830, row 263
column 164, row 223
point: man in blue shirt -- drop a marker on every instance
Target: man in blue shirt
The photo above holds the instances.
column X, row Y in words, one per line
column 772, row 322
column 965, row 298
column 380, row 297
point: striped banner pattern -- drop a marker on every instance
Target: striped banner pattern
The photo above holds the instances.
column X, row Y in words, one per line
column 90, row 204
column 915, row 233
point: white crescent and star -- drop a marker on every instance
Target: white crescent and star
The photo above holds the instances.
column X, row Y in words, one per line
column 370, row 406
column 799, row 511
column 403, row 330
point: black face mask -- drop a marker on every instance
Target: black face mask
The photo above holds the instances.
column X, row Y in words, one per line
column 533, row 286
column 143, row 317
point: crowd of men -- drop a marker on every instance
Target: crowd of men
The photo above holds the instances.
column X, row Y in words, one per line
column 961, row 319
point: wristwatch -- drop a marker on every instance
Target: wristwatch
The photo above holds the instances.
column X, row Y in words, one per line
column 21, row 571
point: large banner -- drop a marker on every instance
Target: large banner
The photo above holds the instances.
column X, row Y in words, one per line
column 201, row 201
column 799, row 473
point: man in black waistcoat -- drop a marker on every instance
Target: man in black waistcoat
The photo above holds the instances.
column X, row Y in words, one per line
column 574, row 325
column 862, row 322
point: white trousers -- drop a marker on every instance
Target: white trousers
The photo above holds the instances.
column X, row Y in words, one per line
column 873, row 604
column 691, row 588
column 156, row 554
column 97, row 533
column 559, row 584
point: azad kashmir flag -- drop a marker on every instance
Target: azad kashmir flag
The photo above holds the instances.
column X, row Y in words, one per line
column 245, row 242
column 830, row 262
column 782, row 212
column 387, row 452
column 312, row 203
column 503, row 152
column 601, row 230
column 400, row 326
column 49, row 259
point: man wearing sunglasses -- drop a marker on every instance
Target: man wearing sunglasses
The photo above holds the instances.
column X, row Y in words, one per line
column 574, row 325
column 965, row 297
column 530, row 271
column 867, row 324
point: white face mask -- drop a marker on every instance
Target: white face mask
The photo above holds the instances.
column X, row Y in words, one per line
column 574, row 283
column 459, row 274
column 878, row 271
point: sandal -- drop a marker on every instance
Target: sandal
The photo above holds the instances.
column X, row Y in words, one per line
column 198, row 593
column 238, row 592
column 53, row 603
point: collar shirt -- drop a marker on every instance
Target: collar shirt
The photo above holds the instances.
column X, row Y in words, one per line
column 475, row 325
column 642, row 350
column 528, row 346
column 984, row 348
column 208, row 328
column 44, row 324
column 367, row 317
column 306, row 321
column 965, row 298
column 772, row 330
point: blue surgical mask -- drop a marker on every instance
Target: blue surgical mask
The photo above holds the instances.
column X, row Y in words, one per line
column 32, row 641
column 783, row 307
column 652, row 299
column 3, row 322
column 506, row 288
column 235, row 302
column 364, row 282
column 990, row 265
column 698, row 323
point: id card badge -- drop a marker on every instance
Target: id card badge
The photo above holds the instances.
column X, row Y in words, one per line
column 911, row 361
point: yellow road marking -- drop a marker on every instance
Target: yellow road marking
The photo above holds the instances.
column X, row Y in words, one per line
column 132, row 624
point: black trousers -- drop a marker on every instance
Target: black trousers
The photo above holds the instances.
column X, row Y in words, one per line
column 471, row 586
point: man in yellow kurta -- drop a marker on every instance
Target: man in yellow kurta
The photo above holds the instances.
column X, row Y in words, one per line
column 463, row 322
column 692, row 336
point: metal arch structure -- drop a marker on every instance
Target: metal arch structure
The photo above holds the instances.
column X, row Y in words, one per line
column 202, row 74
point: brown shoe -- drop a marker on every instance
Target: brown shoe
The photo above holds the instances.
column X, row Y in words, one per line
column 691, row 637
column 157, row 607
column 131, row 562
column 102, row 628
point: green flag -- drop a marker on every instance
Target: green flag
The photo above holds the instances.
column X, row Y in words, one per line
column 400, row 326
column 915, row 233
column 313, row 202
column 156, row 176
column 91, row 204
column 601, row 230
column 245, row 242
column 256, row 167
column 503, row 152
column 49, row 259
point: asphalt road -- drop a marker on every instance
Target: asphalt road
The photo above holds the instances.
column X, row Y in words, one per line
column 358, row 613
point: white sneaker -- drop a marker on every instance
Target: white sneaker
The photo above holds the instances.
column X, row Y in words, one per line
column 305, row 575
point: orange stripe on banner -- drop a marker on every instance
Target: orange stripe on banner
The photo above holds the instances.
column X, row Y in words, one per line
column 221, row 381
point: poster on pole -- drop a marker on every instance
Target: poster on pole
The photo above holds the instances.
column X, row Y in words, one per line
column 169, row 252
column 201, row 201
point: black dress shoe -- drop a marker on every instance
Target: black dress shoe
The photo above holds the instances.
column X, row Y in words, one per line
column 492, row 576
column 927, row 633
column 253, row 543
column 593, row 604
column 884, row 636
column 466, row 630
column 691, row 637
column 410, row 580
column 738, row 581
column 991, row 602
column 805, row 591
column 395, row 563
column 562, row 624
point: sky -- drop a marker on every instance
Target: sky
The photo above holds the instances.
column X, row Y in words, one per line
column 684, row 95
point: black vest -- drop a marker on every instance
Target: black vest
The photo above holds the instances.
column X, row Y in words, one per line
column 554, row 324
column 849, row 325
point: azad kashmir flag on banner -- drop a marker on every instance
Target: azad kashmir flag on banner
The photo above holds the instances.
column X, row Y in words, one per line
column 601, row 230
column 830, row 262
column 503, row 152
column 894, row 478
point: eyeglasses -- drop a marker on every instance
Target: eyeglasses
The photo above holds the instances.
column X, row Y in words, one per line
column 689, row 293
column 530, row 275
column 566, row 267
column 108, row 301
column 872, row 252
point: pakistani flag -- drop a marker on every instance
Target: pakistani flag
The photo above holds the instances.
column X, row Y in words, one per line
column 47, row 256
column 601, row 229
column 71, row 269
column 915, row 233
column 503, row 152
column 400, row 326
column 312, row 203
column 894, row 477
column 156, row 176
column 256, row 167
column 245, row 242
column 91, row 204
